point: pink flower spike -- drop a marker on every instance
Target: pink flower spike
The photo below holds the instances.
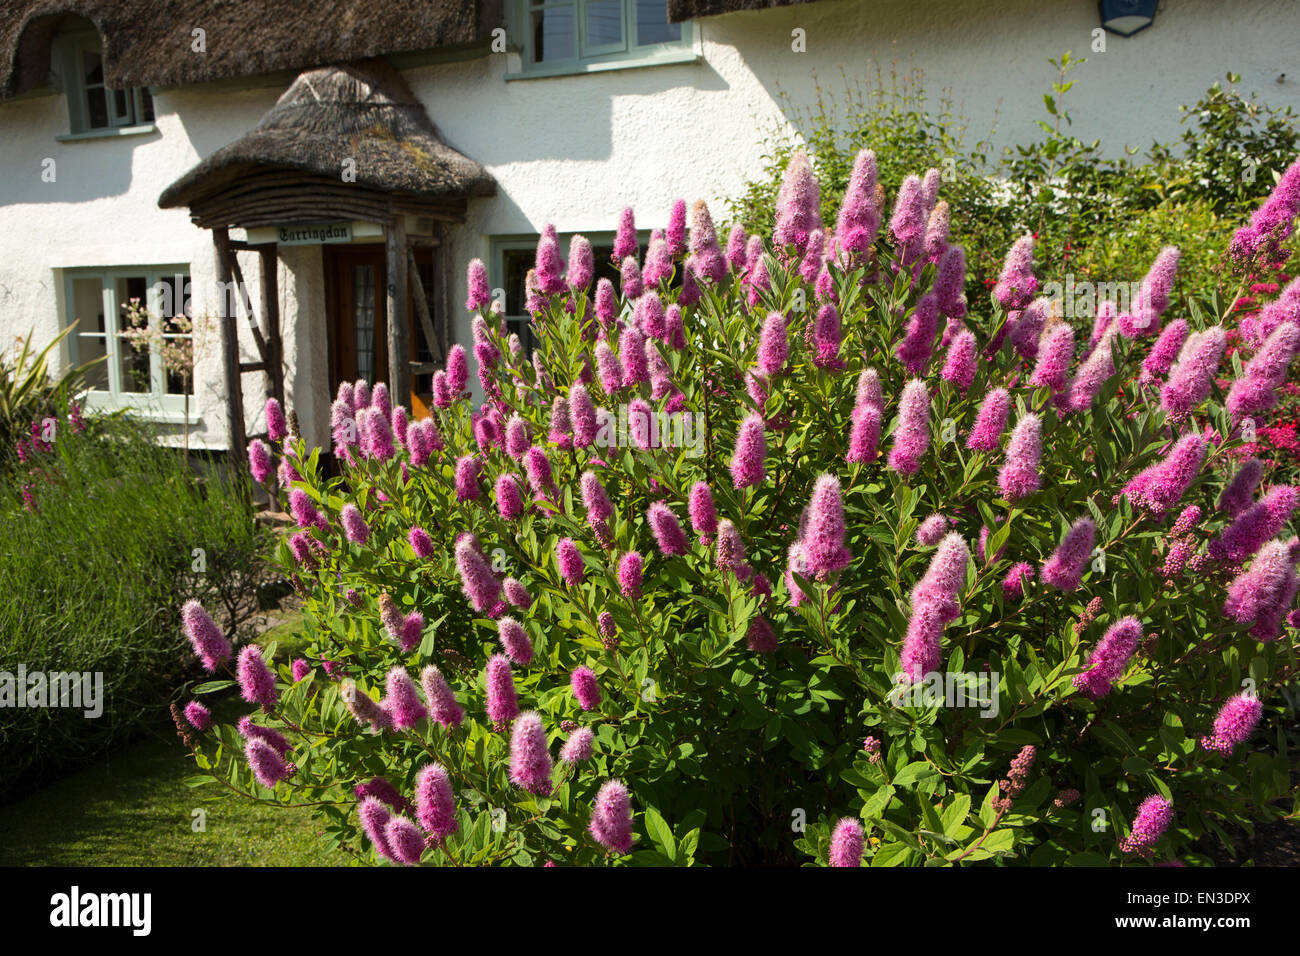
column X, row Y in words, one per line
column 502, row 701
column 912, row 434
column 205, row 637
column 530, row 756
column 585, row 688
column 1153, row 818
column 666, row 529
column 514, row 640
column 1019, row 476
column 823, row 547
column 256, row 682
column 442, row 701
column 435, row 802
column 611, row 818
column 1234, row 724
column 402, row 699
column 1064, row 569
column 751, row 448
column 859, row 220
column 846, row 843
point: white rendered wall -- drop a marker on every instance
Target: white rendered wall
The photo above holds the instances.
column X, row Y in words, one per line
column 574, row 150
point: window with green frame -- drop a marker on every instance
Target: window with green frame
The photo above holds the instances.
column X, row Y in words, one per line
column 77, row 56
column 572, row 34
column 511, row 258
column 134, row 376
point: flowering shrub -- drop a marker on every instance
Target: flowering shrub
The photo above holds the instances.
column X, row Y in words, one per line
column 904, row 601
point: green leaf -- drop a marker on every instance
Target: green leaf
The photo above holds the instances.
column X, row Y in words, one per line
column 954, row 815
column 917, row 770
column 212, row 686
column 661, row 833
column 892, row 854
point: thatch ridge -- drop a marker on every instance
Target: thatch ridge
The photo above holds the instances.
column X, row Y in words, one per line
column 150, row 42
column 362, row 112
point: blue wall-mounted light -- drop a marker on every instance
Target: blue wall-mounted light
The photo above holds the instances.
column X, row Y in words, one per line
column 1127, row 17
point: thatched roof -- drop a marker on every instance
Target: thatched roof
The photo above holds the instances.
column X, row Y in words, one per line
column 150, row 42
column 681, row 10
column 363, row 112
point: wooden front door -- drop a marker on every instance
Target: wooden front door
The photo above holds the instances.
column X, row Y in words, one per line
column 356, row 302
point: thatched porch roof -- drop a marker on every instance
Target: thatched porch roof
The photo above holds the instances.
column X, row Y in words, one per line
column 150, row 42
column 356, row 116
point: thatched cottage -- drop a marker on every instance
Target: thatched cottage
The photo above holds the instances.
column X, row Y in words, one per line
column 339, row 163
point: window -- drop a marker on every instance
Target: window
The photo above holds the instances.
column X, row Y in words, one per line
column 92, row 106
column 570, row 36
column 138, row 319
column 513, row 256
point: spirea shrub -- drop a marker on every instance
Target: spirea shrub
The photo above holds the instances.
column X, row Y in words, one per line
column 787, row 552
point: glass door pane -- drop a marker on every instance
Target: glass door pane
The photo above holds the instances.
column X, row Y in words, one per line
column 363, row 318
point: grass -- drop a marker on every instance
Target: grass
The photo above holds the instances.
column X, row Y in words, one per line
column 132, row 808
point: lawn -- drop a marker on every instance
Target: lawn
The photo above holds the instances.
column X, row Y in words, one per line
column 132, row 808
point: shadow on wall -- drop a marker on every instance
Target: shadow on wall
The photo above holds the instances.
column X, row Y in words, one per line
column 213, row 115
column 513, row 129
column 39, row 169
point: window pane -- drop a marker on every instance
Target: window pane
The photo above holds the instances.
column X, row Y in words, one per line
column 92, row 68
column 88, row 305
column 553, row 30
column 89, row 348
column 97, row 104
column 122, row 107
column 135, row 374
column 174, row 308
column 652, row 24
column 604, row 22
column 516, row 263
column 363, row 313
column 147, row 100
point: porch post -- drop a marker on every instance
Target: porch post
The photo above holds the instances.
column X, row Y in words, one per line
column 399, row 344
column 271, row 305
column 236, row 438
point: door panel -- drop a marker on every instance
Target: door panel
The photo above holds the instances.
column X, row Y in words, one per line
column 356, row 302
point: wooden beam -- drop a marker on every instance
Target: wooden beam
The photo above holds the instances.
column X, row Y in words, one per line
column 235, row 435
column 271, row 305
column 232, row 267
column 399, row 344
column 442, row 268
column 422, row 307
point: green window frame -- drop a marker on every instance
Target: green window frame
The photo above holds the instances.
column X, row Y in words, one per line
column 592, row 35
column 93, row 108
column 128, row 379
